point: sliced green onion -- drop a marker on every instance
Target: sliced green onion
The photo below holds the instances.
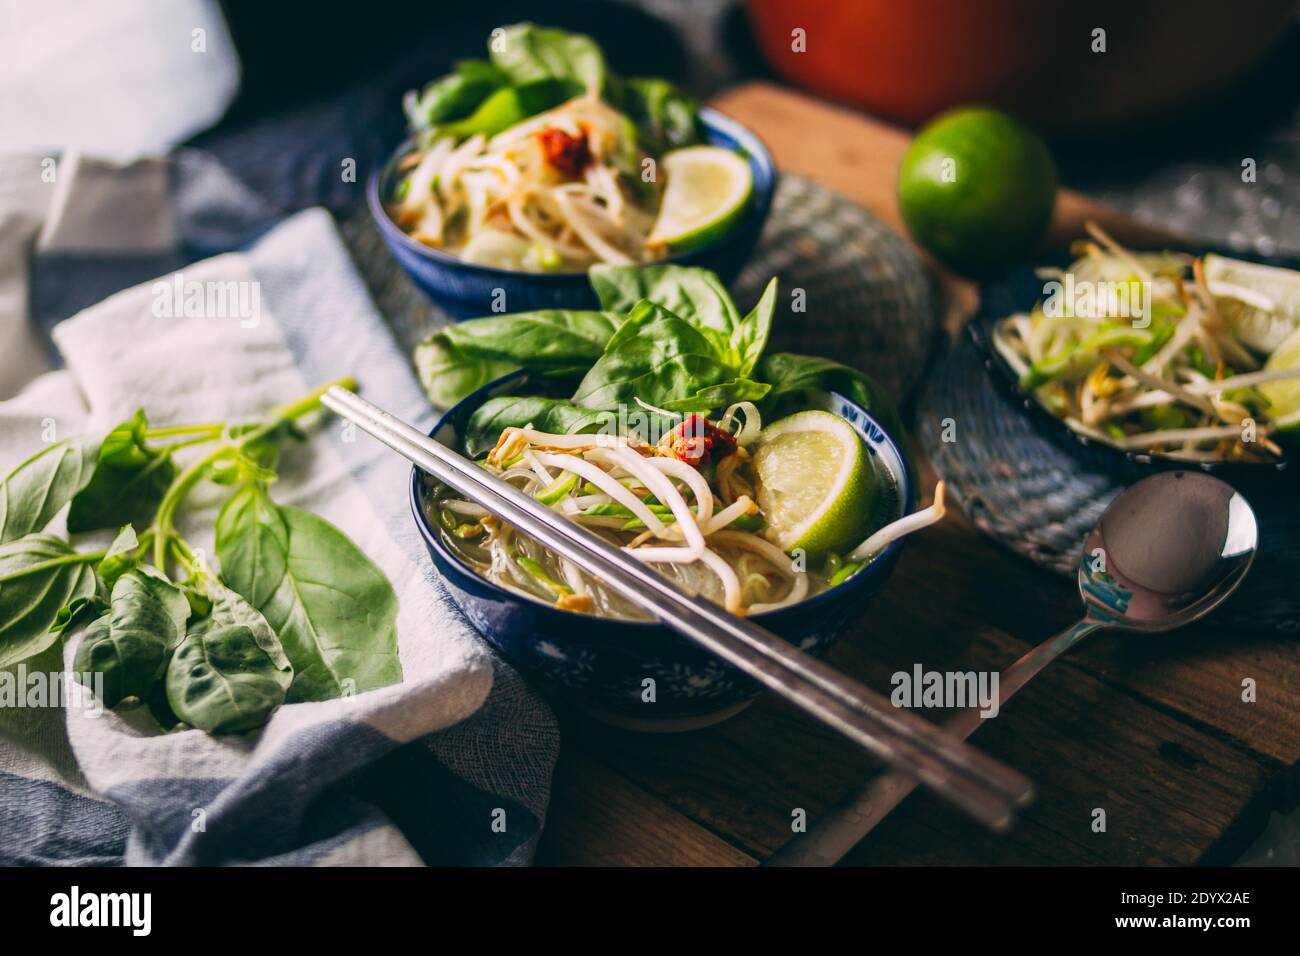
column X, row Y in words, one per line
column 845, row 572
column 1160, row 336
column 614, row 509
column 1051, row 367
column 447, row 519
column 1162, row 417
column 558, row 489
column 547, row 257
column 751, row 523
column 1200, row 362
column 538, row 574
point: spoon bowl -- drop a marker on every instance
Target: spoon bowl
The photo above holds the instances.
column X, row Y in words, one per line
column 1166, row 552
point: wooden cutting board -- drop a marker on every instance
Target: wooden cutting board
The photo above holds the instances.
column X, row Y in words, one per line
column 1152, row 732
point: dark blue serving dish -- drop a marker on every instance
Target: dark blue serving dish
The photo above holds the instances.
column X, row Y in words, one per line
column 465, row 290
column 1017, row 291
column 602, row 664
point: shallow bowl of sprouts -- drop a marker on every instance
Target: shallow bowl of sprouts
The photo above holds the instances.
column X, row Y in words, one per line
column 572, row 636
column 465, row 289
column 1143, row 361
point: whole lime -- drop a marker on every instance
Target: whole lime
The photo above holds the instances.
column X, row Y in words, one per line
column 976, row 189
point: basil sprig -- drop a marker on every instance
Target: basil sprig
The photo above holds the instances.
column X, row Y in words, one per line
column 531, row 69
column 295, row 612
column 667, row 336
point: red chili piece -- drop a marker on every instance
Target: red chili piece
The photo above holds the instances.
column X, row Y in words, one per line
column 569, row 154
column 697, row 441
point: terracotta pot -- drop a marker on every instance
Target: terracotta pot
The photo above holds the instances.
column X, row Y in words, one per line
column 910, row 60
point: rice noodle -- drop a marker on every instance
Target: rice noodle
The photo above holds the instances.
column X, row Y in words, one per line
column 1154, row 381
column 738, row 508
column 730, row 583
column 694, row 542
column 663, row 489
column 588, row 233
column 694, row 480
column 538, row 468
column 597, row 476
column 1241, row 381
column 568, row 206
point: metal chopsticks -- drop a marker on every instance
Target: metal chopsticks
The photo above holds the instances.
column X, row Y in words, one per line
column 985, row 788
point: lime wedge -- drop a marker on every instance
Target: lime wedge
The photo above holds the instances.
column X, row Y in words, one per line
column 706, row 192
column 1284, row 395
column 1260, row 303
column 815, row 483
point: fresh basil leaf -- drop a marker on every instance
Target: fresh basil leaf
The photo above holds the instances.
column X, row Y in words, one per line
column 34, row 492
column 720, row 396
column 450, row 375
column 231, row 671
column 455, row 95
column 798, row 379
column 130, row 644
column 252, row 544
column 30, row 603
column 655, row 356
column 227, row 608
column 506, row 107
column 41, row 580
column 690, row 293
column 553, row 415
column 455, row 361
column 525, row 53
column 542, row 341
column 333, row 609
column 750, row 335
column 666, row 117
column 129, row 481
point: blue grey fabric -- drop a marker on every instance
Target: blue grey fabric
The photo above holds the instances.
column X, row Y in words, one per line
column 348, row 787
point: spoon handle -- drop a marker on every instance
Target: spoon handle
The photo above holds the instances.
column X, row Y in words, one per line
column 844, row 826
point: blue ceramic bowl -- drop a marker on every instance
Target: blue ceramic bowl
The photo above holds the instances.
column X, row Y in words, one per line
column 1017, row 292
column 601, row 663
column 465, row 290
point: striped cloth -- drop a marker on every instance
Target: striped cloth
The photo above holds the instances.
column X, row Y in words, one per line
column 453, row 765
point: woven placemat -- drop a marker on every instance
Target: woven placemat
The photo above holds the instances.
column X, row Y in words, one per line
column 851, row 288
column 1032, row 495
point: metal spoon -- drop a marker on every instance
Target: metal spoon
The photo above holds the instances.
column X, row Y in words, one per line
column 1165, row 553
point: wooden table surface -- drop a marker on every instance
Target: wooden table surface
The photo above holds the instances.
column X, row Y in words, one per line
column 1151, row 730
